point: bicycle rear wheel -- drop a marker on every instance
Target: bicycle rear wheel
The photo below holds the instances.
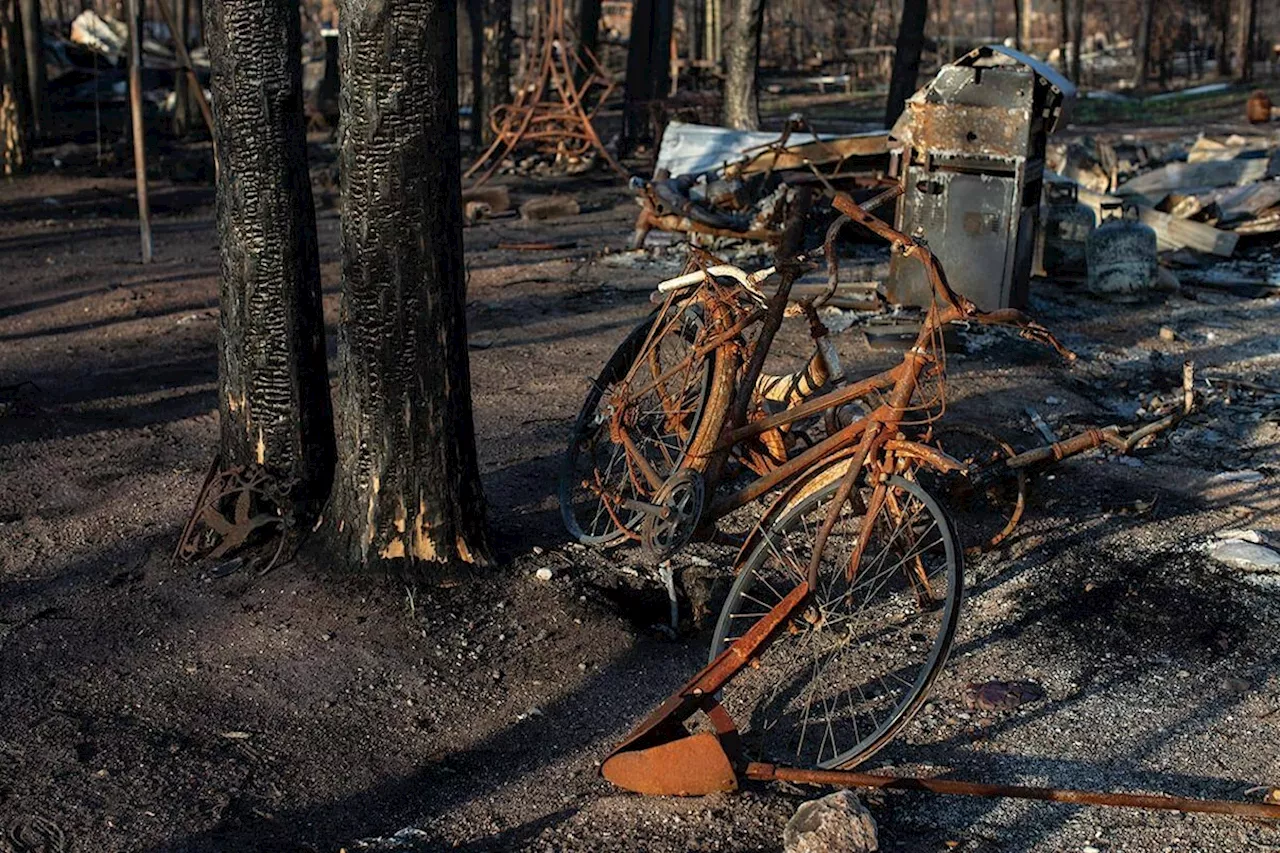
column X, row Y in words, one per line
column 843, row 676
column 662, row 397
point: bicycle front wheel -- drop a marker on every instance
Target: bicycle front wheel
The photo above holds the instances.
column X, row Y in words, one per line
column 843, row 676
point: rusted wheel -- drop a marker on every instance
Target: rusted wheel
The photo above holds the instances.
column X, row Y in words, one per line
column 839, row 680
column 988, row 503
column 657, row 407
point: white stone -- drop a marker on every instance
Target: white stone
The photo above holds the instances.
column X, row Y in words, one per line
column 1245, row 556
column 836, row 823
column 543, row 574
column 1243, row 535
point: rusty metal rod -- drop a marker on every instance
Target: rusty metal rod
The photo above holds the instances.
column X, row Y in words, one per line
column 1112, row 799
column 136, row 125
column 180, row 48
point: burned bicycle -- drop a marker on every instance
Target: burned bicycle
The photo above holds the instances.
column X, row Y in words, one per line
column 847, row 591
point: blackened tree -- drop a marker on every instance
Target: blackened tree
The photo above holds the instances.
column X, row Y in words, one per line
column 273, row 388
column 741, row 63
column 407, row 493
column 906, row 58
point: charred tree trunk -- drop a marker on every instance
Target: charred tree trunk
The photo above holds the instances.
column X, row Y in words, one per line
column 37, row 82
column 407, row 495
column 1064, row 41
column 588, row 29
column 273, row 387
column 906, row 58
column 184, row 114
column 741, row 65
column 479, row 104
column 1077, row 42
column 648, row 67
column 496, row 61
column 15, row 137
column 1244, row 35
column 1017, row 25
column 1143, row 49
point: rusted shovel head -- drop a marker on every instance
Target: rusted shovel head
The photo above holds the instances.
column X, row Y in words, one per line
column 690, row 766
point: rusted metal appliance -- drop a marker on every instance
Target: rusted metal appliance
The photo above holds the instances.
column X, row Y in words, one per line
column 971, row 168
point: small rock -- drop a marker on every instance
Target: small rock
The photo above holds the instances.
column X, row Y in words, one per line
column 1237, row 477
column 1052, row 401
column 1167, row 334
column 1235, row 684
column 1245, row 556
column 1243, row 535
column 1001, row 695
column 836, row 823
column 543, row 574
column 549, row 207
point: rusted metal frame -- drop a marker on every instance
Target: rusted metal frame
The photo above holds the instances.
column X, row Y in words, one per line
column 650, row 475
column 926, row 598
column 726, row 504
column 671, row 413
column 605, row 499
column 699, row 352
column 848, row 482
column 654, row 334
column 813, row 406
column 1115, row 799
column 884, row 425
column 789, row 271
column 929, row 455
column 1090, row 439
column 570, row 96
column 662, row 221
column 700, row 690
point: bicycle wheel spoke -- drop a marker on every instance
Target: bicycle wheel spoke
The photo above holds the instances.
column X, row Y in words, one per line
column 836, row 682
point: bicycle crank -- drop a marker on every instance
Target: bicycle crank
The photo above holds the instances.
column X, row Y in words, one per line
column 680, row 501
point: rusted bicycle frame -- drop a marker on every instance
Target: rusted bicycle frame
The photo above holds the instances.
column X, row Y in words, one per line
column 877, row 440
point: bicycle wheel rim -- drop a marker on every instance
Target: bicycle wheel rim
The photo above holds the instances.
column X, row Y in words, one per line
column 604, row 529
column 753, row 688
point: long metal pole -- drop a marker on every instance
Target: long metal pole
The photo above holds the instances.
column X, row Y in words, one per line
column 852, row 779
column 139, row 132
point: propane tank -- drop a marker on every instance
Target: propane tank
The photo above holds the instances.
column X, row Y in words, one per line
column 1121, row 254
column 1067, row 226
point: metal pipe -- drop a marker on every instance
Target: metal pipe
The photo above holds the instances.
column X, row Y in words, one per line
column 139, row 139
column 1111, row 799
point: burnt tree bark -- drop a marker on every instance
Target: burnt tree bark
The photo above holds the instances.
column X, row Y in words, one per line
column 648, row 67
column 1143, row 48
column 1064, row 40
column 496, row 60
column 906, row 58
column 1077, row 41
column 1246, row 23
column 407, row 494
column 37, row 82
column 273, row 386
column 741, row 64
column 184, row 112
column 588, row 29
column 15, row 137
column 479, row 104
column 490, row 23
